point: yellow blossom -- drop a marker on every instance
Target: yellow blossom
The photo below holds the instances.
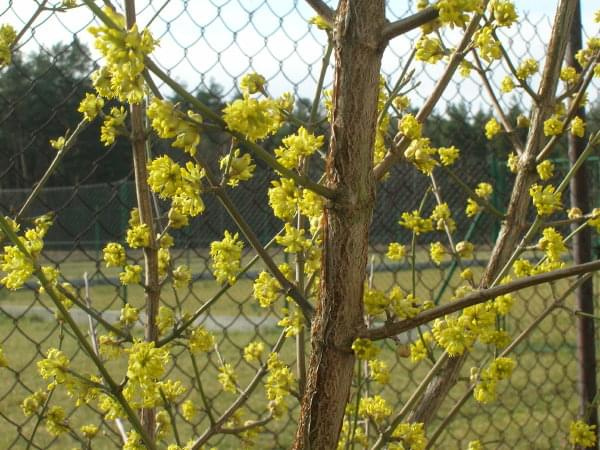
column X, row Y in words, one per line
column 492, row 128
column 188, row 410
column 545, row 169
column 58, row 143
column 89, row 431
column 375, row 301
column 546, row 199
column 253, row 118
column 114, row 255
column 448, row 155
column 132, row 274
column 241, row 167
column 419, row 348
column 552, row 244
column 293, row 239
column 253, row 351
column 396, row 251
column 437, row 252
column 182, row 276
column 428, row 49
column 227, row 378
column 410, row 126
column 375, row 408
column 379, row 371
column 201, row 340
column 421, row 154
column 283, row 198
column 578, row 126
column 266, row 289
column 504, row 12
column 528, row 67
column 365, row 349
column 411, row 435
column 464, row 249
column 488, row 46
column 251, row 83
column 298, row 146
column 568, row 74
column 113, row 125
column 56, row 421
column 7, row 40
column 413, row 221
column 513, row 162
column 33, row 403
column 129, row 314
column 91, row 106
column 553, row 126
column 583, row 434
column 507, row 84
column 226, row 255
column 523, row 121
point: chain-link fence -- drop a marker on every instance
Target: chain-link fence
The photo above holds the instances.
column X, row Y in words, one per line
column 208, row 45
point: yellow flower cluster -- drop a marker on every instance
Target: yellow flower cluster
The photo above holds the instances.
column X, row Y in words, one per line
column 441, row 215
column 375, row 408
column 546, row 200
column 527, row 68
column 421, row 154
column 266, row 289
column 396, row 251
column 132, row 274
column 488, row 46
column 429, row 50
column 379, row 371
column 124, row 51
column 91, row 106
column 414, row 222
column 252, row 83
column 291, row 322
column 499, row 369
column 419, row 348
column 456, row 12
column 296, row 147
column 33, row 403
column 504, row 12
column 437, row 252
column 170, row 123
column 293, row 239
column 239, row 167
column 492, row 128
column 113, row 125
column 283, row 198
column 18, row 266
column 164, row 176
column 227, row 378
column 114, row 255
column 412, row 435
column 129, row 315
column 552, row 244
column 182, row 276
column 410, row 126
column 201, row 340
column 545, row 169
column 483, row 190
column 278, row 384
column 7, row 39
column 583, row 434
column 253, row 351
column 578, row 126
column 507, row 85
column 448, row 155
column 365, row 349
column 56, row 423
column 226, row 255
column 553, row 126
column 138, row 236
column 256, row 119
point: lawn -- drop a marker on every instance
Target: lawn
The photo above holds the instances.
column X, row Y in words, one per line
column 533, row 409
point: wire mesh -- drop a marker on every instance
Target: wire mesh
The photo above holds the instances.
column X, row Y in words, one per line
column 209, row 45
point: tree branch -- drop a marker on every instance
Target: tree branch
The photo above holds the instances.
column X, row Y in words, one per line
column 323, row 10
column 409, row 23
column 483, row 295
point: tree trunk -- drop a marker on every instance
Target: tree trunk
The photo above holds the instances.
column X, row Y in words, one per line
column 339, row 314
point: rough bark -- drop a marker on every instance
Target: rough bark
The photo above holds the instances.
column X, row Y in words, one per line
column 514, row 226
column 339, row 314
column 582, row 252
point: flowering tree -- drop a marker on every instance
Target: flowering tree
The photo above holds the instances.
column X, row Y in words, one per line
column 325, row 225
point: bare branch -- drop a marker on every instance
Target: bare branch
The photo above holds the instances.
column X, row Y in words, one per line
column 323, row 10
column 409, row 23
column 483, row 295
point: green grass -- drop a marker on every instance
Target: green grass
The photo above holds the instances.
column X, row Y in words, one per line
column 533, row 409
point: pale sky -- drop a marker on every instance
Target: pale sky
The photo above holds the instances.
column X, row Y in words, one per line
column 204, row 40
